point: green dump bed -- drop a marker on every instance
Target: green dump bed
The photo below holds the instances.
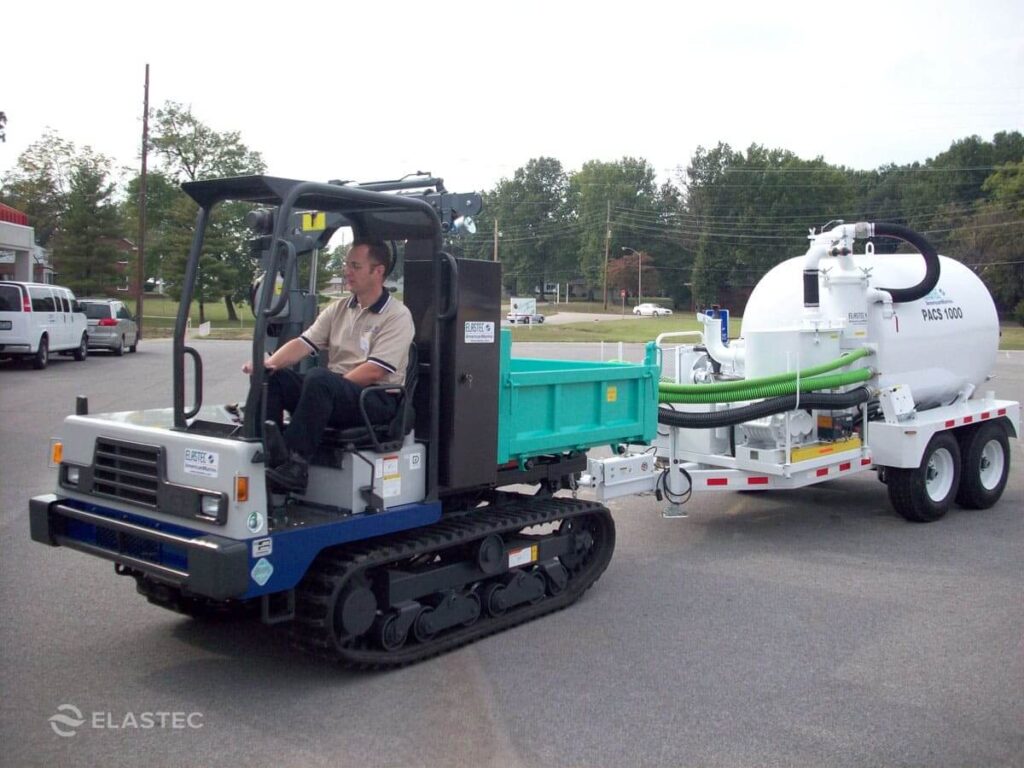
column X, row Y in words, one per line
column 555, row 406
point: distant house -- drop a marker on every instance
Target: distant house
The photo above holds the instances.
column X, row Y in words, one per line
column 123, row 286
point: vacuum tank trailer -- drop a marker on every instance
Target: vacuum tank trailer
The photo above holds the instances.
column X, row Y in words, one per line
column 846, row 362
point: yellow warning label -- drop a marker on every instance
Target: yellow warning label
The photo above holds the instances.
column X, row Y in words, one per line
column 817, row 450
column 314, row 221
column 522, row 556
column 612, row 394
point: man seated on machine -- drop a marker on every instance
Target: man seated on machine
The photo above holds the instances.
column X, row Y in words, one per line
column 366, row 338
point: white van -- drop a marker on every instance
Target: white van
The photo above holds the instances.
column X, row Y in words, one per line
column 37, row 319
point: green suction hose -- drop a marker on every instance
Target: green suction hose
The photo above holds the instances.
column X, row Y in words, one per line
column 757, row 389
column 743, row 384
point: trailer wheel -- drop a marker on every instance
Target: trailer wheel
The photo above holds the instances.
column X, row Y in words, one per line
column 985, row 466
column 923, row 494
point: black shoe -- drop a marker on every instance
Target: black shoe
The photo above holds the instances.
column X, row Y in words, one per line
column 290, row 476
column 274, row 445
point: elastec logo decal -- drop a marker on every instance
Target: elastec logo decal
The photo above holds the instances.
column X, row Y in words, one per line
column 938, row 296
column 67, row 720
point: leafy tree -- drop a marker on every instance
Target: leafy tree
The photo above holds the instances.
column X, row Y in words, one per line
column 530, row 209
column 748, row 208
column 624, row 274
column 161, row 196
column 990, row 238
column 85, row 248
column 40, row 181
column 625, row 188
column 3, row 126
column 191, row 151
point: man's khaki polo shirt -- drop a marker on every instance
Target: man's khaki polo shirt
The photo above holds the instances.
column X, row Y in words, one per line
column 352, row 335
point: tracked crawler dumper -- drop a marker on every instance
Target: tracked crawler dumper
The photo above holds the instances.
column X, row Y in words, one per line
column 413, row 537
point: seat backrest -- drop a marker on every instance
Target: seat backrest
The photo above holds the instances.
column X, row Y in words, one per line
column 406, row 416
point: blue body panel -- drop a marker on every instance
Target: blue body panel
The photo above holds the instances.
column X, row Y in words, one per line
column 294, row 550
column 276, row 562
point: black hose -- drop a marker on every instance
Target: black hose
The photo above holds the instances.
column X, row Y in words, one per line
column 713, row 419
column 931, row 262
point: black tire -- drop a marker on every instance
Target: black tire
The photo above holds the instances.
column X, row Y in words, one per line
column 540, row 320
column 119, row 349
column 923, row 494
column 135, row 344
column 83, row 349
column 985, row 466
column 42, row 355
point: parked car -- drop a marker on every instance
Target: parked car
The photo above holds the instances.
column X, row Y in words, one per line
column 518, row 317
column 651, row 310
column 37, row 319
column 111, row 325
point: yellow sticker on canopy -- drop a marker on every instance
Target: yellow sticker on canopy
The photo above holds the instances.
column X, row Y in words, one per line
column 314, row 221
column 612, row 394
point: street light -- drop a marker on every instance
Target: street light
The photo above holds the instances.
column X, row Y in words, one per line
column 639, row 269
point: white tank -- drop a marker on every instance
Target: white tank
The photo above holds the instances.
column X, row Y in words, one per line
column 940, row 345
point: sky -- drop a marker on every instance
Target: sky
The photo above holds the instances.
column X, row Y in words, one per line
column 472, row 91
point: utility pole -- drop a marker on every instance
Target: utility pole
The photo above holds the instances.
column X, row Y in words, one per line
column 607, row 243
column 140, row 267
column 495, row 239
column 639, row 276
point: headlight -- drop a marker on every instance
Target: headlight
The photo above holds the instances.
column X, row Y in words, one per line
column 209, row 505
column 72, row 476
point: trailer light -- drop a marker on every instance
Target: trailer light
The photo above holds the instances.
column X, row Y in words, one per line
column 72, row 476
column 209, row 505
column 241, row 488
column 56, row 452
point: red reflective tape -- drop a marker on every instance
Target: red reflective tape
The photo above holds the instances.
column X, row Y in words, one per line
column 845, row 466
column 950, row 423
column 968, row 419
column 1001, row 412
column 757, row 481
column 718, row 481
column 822, row 472
column 985, row 414
column 865, row 462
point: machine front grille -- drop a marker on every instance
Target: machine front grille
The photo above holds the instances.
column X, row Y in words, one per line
column 127, row 471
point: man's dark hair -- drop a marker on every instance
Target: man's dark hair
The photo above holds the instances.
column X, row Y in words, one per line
column 375, row 250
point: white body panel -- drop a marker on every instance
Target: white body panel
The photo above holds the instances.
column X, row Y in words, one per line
column 940, row 346
column 153, row 427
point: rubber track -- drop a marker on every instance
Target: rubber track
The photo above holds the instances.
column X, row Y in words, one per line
column 312, row 630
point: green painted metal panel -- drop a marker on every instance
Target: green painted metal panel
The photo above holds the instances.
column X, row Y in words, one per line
column 554, row 406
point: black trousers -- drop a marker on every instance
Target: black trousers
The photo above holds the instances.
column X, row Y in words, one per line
column 320, row 399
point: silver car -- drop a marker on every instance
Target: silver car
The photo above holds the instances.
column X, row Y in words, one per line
column 111, row 325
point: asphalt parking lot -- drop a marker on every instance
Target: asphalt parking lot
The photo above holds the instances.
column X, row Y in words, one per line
column 813, row 627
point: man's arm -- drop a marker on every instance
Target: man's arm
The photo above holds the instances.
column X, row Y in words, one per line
column 288, row 355
column 366, row 374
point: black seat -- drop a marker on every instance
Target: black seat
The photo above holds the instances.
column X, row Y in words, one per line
column 381, row 437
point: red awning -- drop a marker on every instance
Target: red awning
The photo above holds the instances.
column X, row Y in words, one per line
column 12, row 215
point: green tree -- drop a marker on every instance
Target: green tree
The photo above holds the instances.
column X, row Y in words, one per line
column 191, row 151
column 3, row 126
column 990, row 238
column 40, row 181
column 749, row 211
column 623, row 191
column 530, row 210
column 161, row 196
column 85, row 249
